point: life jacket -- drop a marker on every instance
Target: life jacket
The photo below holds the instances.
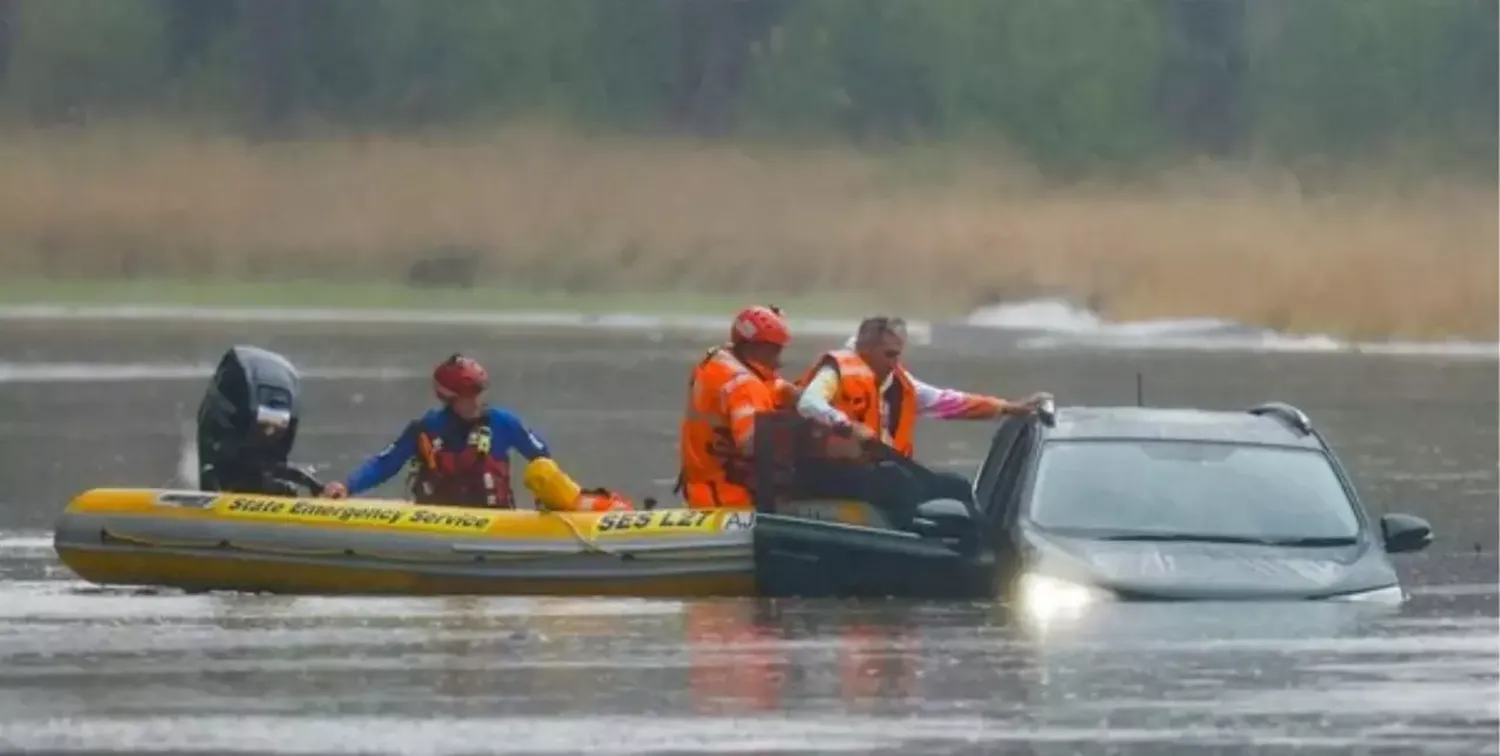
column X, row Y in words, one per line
column 605, row 500
column 860, row 399
column 714, row 472
column 469, row 476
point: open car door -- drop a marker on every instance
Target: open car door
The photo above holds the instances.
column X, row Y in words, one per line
column 844, row 547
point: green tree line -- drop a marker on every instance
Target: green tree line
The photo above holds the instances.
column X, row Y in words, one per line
column 1068, row 83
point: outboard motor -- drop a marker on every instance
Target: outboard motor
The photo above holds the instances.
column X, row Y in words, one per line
column 247, row 424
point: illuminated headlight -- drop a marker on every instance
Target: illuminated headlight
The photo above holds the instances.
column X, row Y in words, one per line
column 1391, row 594
column 1043, row 598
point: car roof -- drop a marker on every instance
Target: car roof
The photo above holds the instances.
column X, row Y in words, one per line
column 1162, row 423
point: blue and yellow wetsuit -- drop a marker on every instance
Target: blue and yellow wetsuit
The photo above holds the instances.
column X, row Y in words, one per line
column 465, row 463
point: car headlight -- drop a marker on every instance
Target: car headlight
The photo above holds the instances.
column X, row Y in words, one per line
column 1391, row 594
column 1043, row 598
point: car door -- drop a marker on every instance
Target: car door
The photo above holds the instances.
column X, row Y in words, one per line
column 997, row 490
column 993, row 471
column 1006, row 494
column 814, row 559
column 814, row 548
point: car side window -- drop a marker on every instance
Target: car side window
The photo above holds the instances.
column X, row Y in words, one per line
column 1001, row 445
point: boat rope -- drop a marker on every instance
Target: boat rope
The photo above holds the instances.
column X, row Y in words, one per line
column 589, row 545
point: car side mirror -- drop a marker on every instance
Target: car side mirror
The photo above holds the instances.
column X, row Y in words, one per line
column 943, row 518
column 1047, row 412
column 1404, row 533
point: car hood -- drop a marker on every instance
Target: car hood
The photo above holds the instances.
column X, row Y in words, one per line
column 1192, row 570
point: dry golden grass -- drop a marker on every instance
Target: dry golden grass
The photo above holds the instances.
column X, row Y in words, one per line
column 934, row 235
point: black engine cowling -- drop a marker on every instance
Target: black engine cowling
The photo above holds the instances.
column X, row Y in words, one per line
column 247, row 425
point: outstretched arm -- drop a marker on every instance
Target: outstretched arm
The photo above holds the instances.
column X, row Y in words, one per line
column 379, row 468
column 952, row 404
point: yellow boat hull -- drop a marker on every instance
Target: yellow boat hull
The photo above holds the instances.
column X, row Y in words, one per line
column 209, row 541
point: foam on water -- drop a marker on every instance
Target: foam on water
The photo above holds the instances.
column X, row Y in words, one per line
column 27, row 601
column 24, row 543
column 1056, row 323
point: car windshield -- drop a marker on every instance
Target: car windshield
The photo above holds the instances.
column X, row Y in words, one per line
column 1191, row 489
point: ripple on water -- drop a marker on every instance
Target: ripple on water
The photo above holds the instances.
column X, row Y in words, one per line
column 617, row 735
column 90, row 668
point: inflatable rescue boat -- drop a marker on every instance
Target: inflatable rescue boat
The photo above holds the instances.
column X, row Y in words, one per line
column 197, row 540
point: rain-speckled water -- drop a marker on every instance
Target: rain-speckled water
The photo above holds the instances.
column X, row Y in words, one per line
column 89, row 669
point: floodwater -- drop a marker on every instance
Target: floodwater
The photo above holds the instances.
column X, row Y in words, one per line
column 90, row 669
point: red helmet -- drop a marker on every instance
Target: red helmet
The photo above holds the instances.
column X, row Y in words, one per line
column 459, row 376
column 760, row 325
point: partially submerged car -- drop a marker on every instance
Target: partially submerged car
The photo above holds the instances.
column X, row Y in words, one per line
column 1083, row 503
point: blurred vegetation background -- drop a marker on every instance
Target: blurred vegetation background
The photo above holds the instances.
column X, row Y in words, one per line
column 1072, row 85
column 1077, row 91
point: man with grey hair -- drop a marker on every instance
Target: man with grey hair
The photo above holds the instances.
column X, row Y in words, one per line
column 863, row 398
column 865, row 392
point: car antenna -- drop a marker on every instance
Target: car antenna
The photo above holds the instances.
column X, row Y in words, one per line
column 1140, row 390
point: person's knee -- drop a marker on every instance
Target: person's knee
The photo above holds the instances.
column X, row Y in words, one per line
column 830, row 481
column 922, row 484
column 896, row 483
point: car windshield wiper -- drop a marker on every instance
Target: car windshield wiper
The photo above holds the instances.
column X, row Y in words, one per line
column 1313, row 541
column 1219, row 538
column 1197, row 537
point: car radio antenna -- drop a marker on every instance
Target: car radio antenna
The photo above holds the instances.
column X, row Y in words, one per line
column 1140, row 390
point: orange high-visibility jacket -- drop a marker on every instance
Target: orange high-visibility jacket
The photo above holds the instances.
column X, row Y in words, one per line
column 859, row 398
column 718, row 430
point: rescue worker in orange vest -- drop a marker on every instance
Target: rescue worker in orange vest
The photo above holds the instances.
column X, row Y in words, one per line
column 730, row 386
column 864, row 388
column 863, row 394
